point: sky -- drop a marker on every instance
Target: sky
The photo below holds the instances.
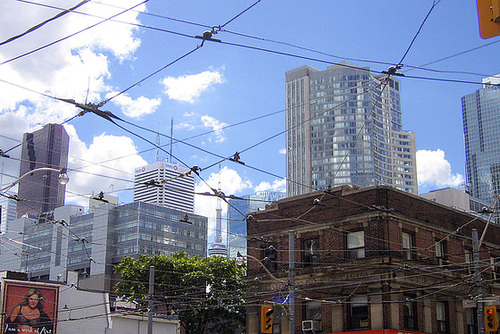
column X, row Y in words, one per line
column 226, row 95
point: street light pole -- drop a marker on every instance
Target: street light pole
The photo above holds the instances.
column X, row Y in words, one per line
column 150, row 298
column 477, row 281
column 291, row 280
column 62, row 178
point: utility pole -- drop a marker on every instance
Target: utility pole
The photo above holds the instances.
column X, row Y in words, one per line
column 150, row 298
column 478, row 281
column 291, row 280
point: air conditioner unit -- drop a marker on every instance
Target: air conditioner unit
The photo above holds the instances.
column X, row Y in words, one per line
column 311, row 325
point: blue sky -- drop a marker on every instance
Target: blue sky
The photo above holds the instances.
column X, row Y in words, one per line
column 228, row 97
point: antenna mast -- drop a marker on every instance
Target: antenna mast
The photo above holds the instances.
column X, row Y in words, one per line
column 171, row 139
column 157, row 156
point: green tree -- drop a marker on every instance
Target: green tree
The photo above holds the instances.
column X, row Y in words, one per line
column 202, row 291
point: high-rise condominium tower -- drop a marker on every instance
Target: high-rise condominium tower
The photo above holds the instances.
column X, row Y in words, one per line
column 160, row 183
column 40, row 191
column 481, row 116
column 344, row 127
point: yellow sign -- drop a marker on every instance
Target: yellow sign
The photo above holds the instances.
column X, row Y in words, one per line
column 488, row 12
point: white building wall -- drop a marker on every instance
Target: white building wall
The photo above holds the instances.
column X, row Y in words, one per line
column 176, row 192
column 89, row 312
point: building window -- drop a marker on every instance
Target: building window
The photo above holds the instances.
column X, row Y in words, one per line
column 313, row 310
column 408, row 246
column 470, row 318
column 358, row 312
column 356, row 245
column 442, row 317
column 495, row 268
column 311, row 252
column 441, row 253
column 410, row 313
column 469, row 261
column 270, row 259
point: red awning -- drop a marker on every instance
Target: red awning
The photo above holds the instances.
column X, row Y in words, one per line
column 380, row 331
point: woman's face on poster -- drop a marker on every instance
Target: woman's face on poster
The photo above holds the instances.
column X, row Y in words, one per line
column 33, row 300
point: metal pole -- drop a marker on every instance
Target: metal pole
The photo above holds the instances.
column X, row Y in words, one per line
column 477, row 281
column 150, row 298
column 291, row 277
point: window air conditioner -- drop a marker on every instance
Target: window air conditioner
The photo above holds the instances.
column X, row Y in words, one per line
column 311, row 325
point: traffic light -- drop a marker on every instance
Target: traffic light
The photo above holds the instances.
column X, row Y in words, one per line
column 490, row 318
column 488, row 12
column 266, row 319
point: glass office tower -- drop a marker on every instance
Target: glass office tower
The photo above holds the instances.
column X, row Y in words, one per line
column 344, row 126
column 237, row 224
column 481, row 120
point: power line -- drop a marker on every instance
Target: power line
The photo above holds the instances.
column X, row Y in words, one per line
column 69, row 36
column 38, row 26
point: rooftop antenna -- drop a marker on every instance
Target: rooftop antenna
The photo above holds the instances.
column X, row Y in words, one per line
column 157, row 156
column 171, row 139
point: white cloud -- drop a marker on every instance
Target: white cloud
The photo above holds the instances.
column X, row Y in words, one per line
column 135, row 108
column 188, row 88
column 105, row 165
column 13, row 125
column 216, row 126
column 282, row 151
column 77, row 68
column 435, row 171
column 277, row 185
column 70, row 67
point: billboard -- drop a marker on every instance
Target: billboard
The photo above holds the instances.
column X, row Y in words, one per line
column 29, row 307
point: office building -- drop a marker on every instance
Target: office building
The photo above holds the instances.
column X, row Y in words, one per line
column 92, row 243
column 237, row 224
column 481, row 121
column 344, row 126
column 40, row 191
column 8, row 207
column 160, row 183
column 372, row 260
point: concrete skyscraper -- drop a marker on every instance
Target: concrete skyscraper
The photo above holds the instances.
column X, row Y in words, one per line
column 40, row 191
column 344, row 126
column 160, row 183
column 481, row 117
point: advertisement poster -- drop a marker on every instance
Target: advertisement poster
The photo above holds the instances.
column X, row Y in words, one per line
column 29, row 307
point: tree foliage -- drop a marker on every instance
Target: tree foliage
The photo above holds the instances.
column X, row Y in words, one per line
column 203, row 291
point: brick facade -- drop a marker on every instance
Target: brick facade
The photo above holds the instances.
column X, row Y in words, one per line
column 402, row 287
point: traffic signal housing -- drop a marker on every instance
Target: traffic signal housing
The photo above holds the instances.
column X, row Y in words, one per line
column 266, row 319
column 490, row 318
column 488, row 12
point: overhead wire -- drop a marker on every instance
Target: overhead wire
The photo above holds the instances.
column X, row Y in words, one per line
column 418, row 31
column 68, row 36
column 41, row 24
column 288, row 54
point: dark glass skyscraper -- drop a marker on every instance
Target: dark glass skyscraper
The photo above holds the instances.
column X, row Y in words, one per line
column 481, row 116
column 40, row 191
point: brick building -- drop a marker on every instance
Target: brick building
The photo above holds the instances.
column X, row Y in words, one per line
column 369, row 259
